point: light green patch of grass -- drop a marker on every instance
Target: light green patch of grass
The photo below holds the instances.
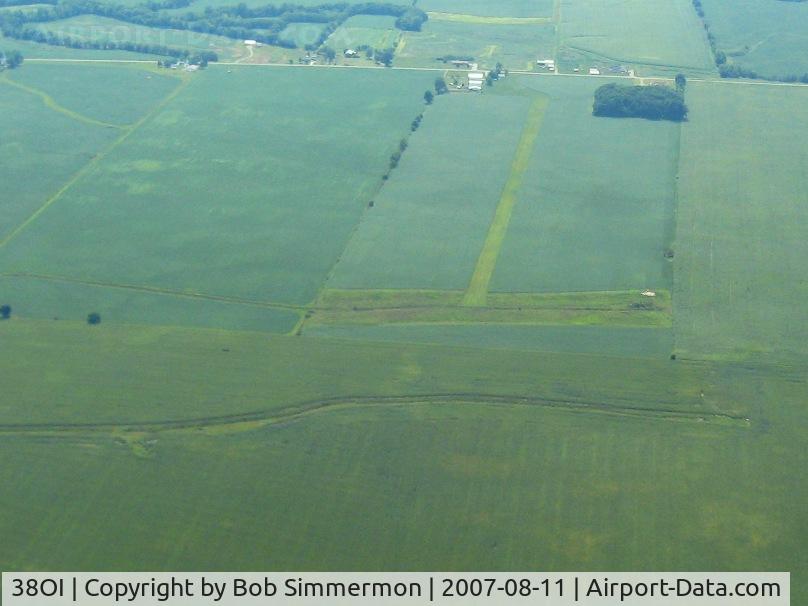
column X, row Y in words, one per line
column 486, row 262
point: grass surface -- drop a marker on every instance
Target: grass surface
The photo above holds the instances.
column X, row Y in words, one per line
column 429, row 222
column 596, row 207
column 65, row 88
column 741, row 245
column 237, row 188
column 515, row 46
column 39, row 150
column 768, row 36
column 663, row 34
column 486, row 8
column 365, row 30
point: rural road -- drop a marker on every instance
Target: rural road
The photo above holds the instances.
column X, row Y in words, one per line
column 433, row 69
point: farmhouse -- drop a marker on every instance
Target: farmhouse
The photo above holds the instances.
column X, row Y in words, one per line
column 594, row 71
column 546, row 63
column 250, row 43
column 350, row 53
column 476, row 81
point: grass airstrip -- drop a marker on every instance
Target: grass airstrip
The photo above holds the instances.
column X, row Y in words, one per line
column 545, row 340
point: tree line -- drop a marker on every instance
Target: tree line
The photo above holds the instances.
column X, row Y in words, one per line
column 733, row 70
column 240, row 22
column 649, row 102
column 10, row 60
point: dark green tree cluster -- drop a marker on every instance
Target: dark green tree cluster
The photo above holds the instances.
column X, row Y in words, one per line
column 494, row 74
column 11, row 59
column 5, row 312
column 649, row 102
column 240, row 22
column 440, row 86
column 416, row 123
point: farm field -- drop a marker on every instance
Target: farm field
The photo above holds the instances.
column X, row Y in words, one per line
column 761, row 35
column 595, row 211
column 445, row 189
column 515, row 46
column 537, row 339
column 57, row 85
column 491, row 474
column 740, row 238
column 173, row 181
column 365, row 30
column 484, row 8
column 666, row 36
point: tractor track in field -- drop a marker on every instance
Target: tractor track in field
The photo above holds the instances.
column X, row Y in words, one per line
column 260, row 418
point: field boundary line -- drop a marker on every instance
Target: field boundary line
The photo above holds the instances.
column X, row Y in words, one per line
column 51, row 103
column 156, row 290
column 311, row 407
column 87, row 168
column 486, row 262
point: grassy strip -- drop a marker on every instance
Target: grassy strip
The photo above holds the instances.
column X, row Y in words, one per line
column 480, row 20
column 619, row 308
column 478, row 287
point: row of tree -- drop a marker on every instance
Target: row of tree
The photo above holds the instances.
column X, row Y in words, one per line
column 650, row 102
column 240, row 22
column 733, row 70
column 92, row 318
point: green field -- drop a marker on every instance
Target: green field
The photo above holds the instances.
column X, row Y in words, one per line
column 445, row 191
column 740, row 286
column 515, row 46
column 486, row 8
column 365, row 30
column 665, row 35
column 595, row 211
column 159, row 211
column 768, row 36
column 463, row 375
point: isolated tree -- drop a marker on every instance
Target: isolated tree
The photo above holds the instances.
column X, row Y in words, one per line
column 5, row 312
column 330, row 53
column 402, row 145
column 93, row 318
column 429, row 97
column 681, row 82
column 395, row 159
column 440, row 86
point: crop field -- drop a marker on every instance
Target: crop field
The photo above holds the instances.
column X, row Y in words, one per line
column 740, row 286
column 767, row 36
column 445, row 189
column 443, row 359
column 595, row 211
column 365, row 30
column 485, row 8
column 515, row 46
column 65, row 87
column 496, row 478
column 665, row 35
column 153, row 213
